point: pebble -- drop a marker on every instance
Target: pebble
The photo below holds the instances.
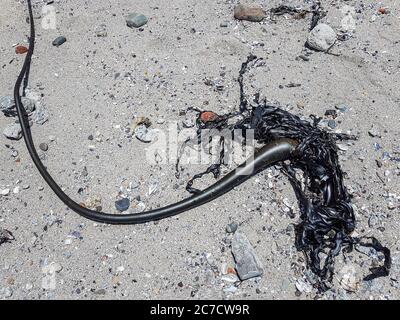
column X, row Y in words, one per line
column 101, row 31
column 348, row 278
column 135, row 20
column 332, row 124
column 6, row 293
column 59, row 41
column 342, row 107
column 247, row 264
column 232, row 278
column 100, row 292
column 44, row 146
column 21, row 49
column 52, row 268
column 253, row 13
column 122, row 204
column 303, row 286
column 342, row 147
column 7, row 103
column 4, row 192
column 322, row 37
column 13, row 131
column 231, row 227
column 144, row 134
column 374, row 132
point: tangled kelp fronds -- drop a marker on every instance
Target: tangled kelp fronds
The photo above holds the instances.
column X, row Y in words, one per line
column 326, row 215
column 316, row 10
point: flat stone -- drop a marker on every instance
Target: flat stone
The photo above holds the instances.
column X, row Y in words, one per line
column 13, row 131
column 4, row 192
column 144, row 133
column 59, row 41
column 231, row 227
column 136, row 20
column 122, row 204
column 253, row 13
column 7, row 103
column 44, row 146
column 322, row 37
column 247, row 264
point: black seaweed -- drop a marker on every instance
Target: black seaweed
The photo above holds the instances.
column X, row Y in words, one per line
column 326, row 215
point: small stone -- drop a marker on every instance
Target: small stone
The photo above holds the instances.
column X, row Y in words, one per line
column 100, row 292
column 7, row 104
column 374, row 132
column 303, row 286
column 92, row 202
column 223, row 24
column 52, row 268
column 120, row 269
column 21, row 49
column 122, row 204
column 332, row 124
column 253, row 13
column 383, row 10
column 232, row 278
column 44, row 146
column 342, row 147
column 59, row 41
column 348, row 279
column 188, row 123
column 208, row 116
column 16, row 190
column 6, row 292
column 135, row 20
column 145, row 134
column 13, row 131
column 247, row 264
column 322, row 37
column 342, row 107
column 4, row 192
column 101, row 31
column 231, row 227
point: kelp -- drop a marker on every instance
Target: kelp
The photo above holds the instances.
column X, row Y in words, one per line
column 327, row 218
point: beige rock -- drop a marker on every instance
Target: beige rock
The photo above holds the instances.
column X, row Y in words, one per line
column 252, row 13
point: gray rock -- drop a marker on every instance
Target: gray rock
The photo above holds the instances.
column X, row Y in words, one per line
column 44, row 146
column 122, row 204
column 101, row 31
column 144, row 133
column 247, row 264
column 6, row 293
column 332, row 124
column 40, row 115
column 59, row 41
column 13, row 131
column 231, row 227
column 322, row 37
column 135, row 20
column 7, row 103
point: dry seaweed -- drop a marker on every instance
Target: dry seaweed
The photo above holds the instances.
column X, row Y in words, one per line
column 326, row 215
